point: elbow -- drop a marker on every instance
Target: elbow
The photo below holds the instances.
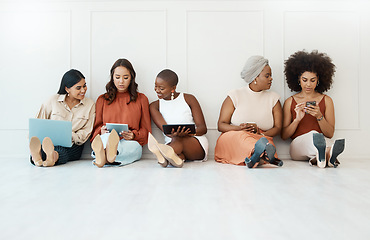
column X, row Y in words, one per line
column 220, row 128
column 283, row 135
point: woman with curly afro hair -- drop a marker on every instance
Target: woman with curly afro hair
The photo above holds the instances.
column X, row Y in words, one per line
column 309, row 114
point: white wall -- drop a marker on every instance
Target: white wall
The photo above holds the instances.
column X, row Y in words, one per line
column 205, row 42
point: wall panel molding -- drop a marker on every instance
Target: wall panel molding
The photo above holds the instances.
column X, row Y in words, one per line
column 336, row 33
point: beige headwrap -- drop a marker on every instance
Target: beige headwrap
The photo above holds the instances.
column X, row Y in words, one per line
column 253, row 67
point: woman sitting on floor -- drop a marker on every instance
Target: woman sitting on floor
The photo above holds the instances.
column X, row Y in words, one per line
column 123, row 104
column 70, row 104
column 177, row 108
column 249, row 118
column 309, row 114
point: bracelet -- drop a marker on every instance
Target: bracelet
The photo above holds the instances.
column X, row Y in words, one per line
column 319, row 119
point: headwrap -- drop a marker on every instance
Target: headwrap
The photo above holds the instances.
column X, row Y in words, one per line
column 253, row 67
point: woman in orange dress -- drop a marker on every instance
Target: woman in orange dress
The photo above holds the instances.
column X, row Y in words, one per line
column 249, row 119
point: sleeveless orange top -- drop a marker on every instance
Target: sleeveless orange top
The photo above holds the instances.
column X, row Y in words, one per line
column 308, row 122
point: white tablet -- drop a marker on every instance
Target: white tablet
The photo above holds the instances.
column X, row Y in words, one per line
column 117, row 126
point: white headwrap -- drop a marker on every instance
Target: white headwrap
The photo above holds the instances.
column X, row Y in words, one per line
column 253, row 67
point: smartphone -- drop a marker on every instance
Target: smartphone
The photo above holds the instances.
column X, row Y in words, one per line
column 309, row 103
column 250, row 124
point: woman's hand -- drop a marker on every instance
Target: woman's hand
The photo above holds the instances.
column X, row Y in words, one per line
column 181, row 132
column 314, row 111
column 248, row 127
column 103, row 130
column 127, row 135
column 300, row 111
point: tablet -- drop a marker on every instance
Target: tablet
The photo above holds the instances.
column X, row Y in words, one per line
column 167, row 129
column 117, row 126
column 60, row 132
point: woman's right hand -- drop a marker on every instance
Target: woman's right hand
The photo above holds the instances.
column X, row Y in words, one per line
column 103, row 130
column 300, row 111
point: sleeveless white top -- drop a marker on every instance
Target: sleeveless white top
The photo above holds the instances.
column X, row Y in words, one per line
column 253, row 106
column 178, row 111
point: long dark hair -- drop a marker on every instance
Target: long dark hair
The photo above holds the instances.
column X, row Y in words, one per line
column 111, row 89
column 69, row 79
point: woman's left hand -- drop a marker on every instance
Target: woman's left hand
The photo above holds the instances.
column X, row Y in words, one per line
column 127, row 135
column 314, row 111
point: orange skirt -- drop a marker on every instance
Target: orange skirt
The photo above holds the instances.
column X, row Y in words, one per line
column 234, row 146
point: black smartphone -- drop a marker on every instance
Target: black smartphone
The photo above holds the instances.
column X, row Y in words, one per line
column 167, row 129
column 309, row 103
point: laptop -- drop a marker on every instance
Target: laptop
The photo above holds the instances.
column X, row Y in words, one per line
column 60, row 132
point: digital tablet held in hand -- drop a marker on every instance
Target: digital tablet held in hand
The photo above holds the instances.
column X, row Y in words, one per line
column 167, row 129
column 117, row 126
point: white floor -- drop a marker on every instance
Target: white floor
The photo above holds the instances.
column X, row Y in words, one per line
column 200, row 201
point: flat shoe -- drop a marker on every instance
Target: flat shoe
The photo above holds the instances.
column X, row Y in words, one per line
column 337, row 149
column 98, row 148
column 270, row 154
column 259, row 148
column 35, row 149
column 153, row 147
column 112, row 145
column 170, row 155
column 320, row 144
column 48, row 147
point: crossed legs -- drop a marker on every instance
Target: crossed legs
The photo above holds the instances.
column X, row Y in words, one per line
column 187, row 148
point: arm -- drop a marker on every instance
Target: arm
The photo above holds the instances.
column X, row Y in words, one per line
column 45, row 110
column 327, row 122
column 224, row 120
column 197, row 113
column 289, row 124
column 277, row 113
column 80, row 136
column 156, row 115
column 141, row 135
column 98, row 117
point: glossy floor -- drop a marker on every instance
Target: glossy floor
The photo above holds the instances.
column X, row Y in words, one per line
column 200, row 201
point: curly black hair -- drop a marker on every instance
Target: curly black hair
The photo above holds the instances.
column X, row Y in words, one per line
column 315, row 62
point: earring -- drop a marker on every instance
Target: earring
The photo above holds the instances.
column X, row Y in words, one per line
column 299, row 83
column 172, row 95
column 318, row 82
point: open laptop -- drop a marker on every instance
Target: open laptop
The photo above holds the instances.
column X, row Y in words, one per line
column 60, row 132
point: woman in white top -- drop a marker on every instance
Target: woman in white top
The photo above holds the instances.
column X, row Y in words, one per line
column 249, row 118
column 177, row 108
column 70, row 104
